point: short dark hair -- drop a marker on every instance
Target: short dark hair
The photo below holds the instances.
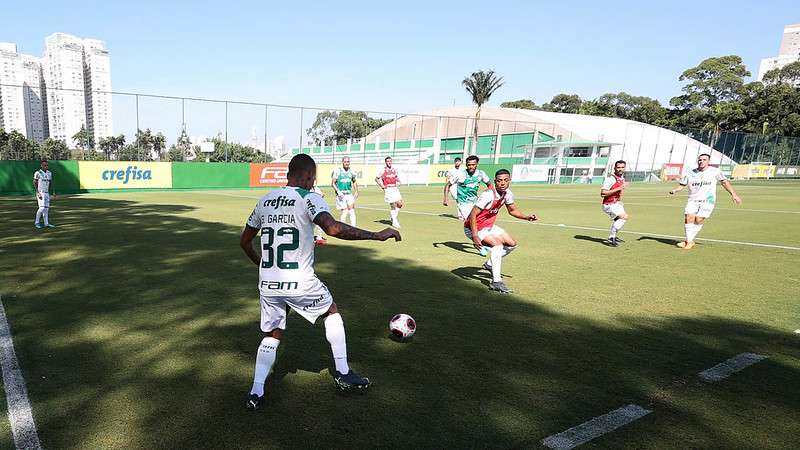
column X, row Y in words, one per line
column 473, row 158
column 387, row 158
column 301, row 163
column 704, row 154
column 43, row 160
column 457, row 159
column 621, row 162
column 502, row 172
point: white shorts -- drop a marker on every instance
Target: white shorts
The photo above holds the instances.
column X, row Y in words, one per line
column 464, row 210
column 614, row 210
column 391, row 195
column 345, row 201
column 43, row 202
column 494, row 230
column 311, row 305
column 699, row 208
column 453, row 191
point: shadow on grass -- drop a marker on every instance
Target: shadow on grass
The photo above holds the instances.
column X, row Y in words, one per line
column 384, row 221
column 597, row 240
column 666, row 241
column 465, row 247
column 136, row 326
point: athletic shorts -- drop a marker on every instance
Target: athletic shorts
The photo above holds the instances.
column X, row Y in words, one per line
column 391, row 195
column 311, row 305
column 699, row 208
column 614, row 210
column 464, row 210
column 453, row 191
column 43, row 202
column 345, row 201
column 483, row 233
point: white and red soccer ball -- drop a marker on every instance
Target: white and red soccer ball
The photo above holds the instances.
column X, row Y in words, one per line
column 402, row 326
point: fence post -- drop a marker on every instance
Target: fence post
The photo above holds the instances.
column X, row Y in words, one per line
column 266, row 141
column 301, row 129
column 226, row 131
column 136, row 135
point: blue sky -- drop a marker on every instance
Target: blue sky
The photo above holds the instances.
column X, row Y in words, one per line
column 402, row 55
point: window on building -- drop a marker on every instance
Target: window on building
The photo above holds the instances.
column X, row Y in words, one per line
column 578, row 152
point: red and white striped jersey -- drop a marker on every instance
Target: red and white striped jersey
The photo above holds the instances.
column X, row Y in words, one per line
column 388, row 176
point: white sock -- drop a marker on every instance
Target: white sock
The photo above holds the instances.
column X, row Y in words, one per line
column 334, row 332
column 39, row 214
column 395, row 212
column 265, row 358
column 496, row 255
column 695, row 229
column 507, row 250
column 616, row 226
column 343, row 216
column 688, row 227
column 46, row 215
column 352, row 217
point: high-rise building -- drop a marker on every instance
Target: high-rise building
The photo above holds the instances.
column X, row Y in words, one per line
column 34, row 98
column 97, row 79
column 788, row 53
column 12, row 105
column 66, row 100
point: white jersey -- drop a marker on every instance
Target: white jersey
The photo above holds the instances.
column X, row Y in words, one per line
column 44, row 177
column 703, row 184
column 286, row 219
column 452, row 175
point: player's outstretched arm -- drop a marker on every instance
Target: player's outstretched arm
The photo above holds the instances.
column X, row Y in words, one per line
column 728, row 187
column 246, row 242
column 333, row 227
column 677, row 189
column 514, row 212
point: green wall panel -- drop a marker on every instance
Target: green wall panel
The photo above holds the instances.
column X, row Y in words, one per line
column 16, row 177
column 399, row 145
column 190, row 175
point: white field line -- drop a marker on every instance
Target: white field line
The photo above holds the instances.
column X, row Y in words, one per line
column 727, row 368
column 20, row 415
column 578, row 227
column 595, row 428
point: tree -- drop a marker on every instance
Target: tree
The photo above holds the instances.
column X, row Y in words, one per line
column 110, row 146
column 788, row 74
column 132, row 153
column 321, row 131
column 183, row 149
column 15, row 145
column 480, row 86
column 331, row 127
column 626, row 106
column 777, row 104
column 520, row 104
column 54, row 149
column 564, row 103
column 83, row 139
column 230, row 152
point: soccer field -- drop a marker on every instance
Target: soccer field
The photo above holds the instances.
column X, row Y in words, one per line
column 135, row 323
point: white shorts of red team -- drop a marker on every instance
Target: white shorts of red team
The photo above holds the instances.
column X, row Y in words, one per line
column 483, row 233
column 314, row 303
column 699, row 208
column 43, row 202
column 614, row 210
column 391, row 195
column 345, row 201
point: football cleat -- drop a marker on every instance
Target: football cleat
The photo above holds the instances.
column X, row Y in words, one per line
column 500, row 287
column 50, row 225
column 612, row 242
column 254, row 402
column 620, row 240
column 487, row 266
column 37, row 225
column 686, row 245
column 350, row 381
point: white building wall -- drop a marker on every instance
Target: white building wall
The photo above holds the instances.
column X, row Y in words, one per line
column 12, row 106
column 64, row 80
column 97, row 78
column 34, row 98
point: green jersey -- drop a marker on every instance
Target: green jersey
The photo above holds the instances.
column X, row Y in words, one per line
column 467, row 185
column 343, row 180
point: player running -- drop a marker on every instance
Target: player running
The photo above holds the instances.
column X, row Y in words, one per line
column 702, row 183
column 467, row 184
column 450, row 183
column 286, row 217
column 42, row 182
column 480, row 227
column 344, row 184
column 611, row 192
column 388, row 180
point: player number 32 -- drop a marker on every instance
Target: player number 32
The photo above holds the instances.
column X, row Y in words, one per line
column 275, row 256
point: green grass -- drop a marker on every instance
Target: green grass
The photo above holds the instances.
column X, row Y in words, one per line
column 136, row 324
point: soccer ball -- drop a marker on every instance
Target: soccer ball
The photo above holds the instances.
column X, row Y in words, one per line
column 402, row 326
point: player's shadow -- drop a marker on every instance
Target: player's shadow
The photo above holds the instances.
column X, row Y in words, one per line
column 465, row 247
column 449, row 216
column 666, row 241
column 475, row 273
column 583, row 237
column 384, row 221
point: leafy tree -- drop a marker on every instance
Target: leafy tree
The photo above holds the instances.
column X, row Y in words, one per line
column 54, row 149
column 626, row 106
column 520, row 104
column 564, row 103
column 15, row 145
column 83, row 139
column 110, row 146
column 480, row 86
column 132, row 153
column 321, row 131
column 788, row 74
column 183, row 149
column 331, row 127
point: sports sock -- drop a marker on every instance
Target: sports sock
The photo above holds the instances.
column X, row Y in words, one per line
column 695, row 229
column 343, row 216
column 689, row 227
column 394, row 213
column 46, row 215
column 507, row 250
column 265, row 358
column 352, row 217
column 39, row 214
column 496, row 255
column 334, row 332
column 616, row 226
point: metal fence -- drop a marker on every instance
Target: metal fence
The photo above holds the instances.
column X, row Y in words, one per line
column 254, row 131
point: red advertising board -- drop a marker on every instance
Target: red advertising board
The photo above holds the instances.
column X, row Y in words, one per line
column 672, row 171
column 268, row 174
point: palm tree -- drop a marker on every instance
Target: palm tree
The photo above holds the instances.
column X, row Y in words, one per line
column 480, row 85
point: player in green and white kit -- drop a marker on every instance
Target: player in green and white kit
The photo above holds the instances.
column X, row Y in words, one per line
column 42, row 182
column 285, row 217
column 344, row 184
column 467, row 183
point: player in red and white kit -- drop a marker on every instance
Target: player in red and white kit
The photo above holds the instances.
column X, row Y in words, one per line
column 388, row 180
column 612, row 201
column 481, row 229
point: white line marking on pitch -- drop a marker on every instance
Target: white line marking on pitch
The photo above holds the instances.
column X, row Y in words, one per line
column 727, row 368
column 20, row 415
column 578, row 227
column 595, row 428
